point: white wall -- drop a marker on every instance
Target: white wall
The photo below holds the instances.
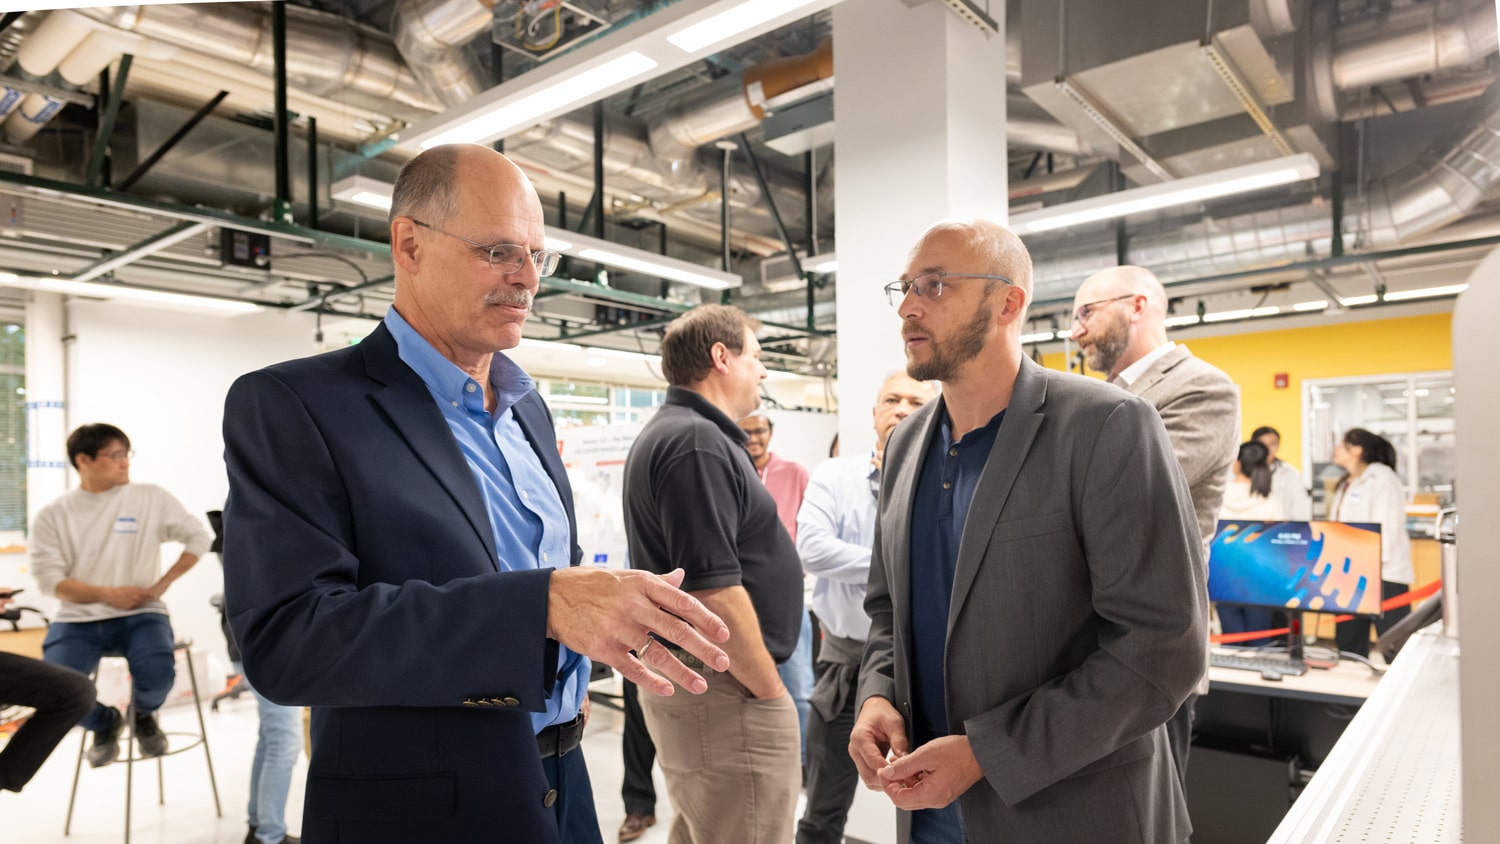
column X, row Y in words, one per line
column 161, row 376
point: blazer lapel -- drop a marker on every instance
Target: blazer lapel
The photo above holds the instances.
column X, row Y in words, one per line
column 412, row 412
column 897, row 500
column 1023, row 417
column 1157, row 371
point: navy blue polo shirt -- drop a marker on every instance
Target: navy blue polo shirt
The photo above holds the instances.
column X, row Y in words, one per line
column 950, row 473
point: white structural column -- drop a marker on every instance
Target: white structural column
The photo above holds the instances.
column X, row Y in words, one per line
column 1476, row 419
column 46, row 405
column 919, row 117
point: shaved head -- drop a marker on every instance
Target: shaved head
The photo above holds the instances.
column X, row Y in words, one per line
column 1119, row 315
column 998, row 250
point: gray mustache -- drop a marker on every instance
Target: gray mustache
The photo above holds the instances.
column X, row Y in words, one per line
column 512, row 297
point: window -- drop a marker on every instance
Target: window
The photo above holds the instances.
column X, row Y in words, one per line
column 12, row 427
column 576, row 405
column 1414, row 412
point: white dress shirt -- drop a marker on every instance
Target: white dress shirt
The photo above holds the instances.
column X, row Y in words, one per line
column 835, row 531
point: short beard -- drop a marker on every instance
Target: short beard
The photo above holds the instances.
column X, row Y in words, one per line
column 1108, row 347
column 964, row 346
column 512, row 296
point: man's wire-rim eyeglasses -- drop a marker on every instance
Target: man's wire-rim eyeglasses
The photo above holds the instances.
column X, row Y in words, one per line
column 1086, row 310
column 506, row 258
column 930, row 285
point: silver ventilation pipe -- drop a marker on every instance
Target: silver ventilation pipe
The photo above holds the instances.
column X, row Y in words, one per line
column 326, row 54
column 433, row 36
column 1413, row 41
column 1443, row 185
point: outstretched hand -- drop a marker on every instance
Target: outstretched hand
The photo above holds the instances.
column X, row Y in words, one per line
column 608, row 614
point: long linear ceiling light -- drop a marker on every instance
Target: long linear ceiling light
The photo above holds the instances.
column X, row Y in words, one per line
column 374, row 193
column 1234, row 180
column 96, row 290
column 661, row 42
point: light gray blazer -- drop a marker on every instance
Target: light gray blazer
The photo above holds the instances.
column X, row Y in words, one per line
column 1200, row 406
column 1078, row 620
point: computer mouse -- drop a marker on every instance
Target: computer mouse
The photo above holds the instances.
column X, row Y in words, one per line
column 1270, row 674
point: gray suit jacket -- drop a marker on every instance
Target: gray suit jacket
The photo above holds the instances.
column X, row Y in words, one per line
column 1078, row 620
column 1200, row 406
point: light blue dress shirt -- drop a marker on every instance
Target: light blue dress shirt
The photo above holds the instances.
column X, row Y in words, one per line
column 835, row 532
column 526, row 512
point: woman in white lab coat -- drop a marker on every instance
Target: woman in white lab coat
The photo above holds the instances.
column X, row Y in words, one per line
column 1372, row 493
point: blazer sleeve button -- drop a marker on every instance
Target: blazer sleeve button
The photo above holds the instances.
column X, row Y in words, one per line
column 510, row 701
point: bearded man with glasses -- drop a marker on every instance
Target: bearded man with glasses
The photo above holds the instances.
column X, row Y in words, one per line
column 1120, row 323
column 1036, row 596
column 400, row 546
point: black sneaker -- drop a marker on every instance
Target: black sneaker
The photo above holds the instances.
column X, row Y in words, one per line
column 152, row 740
column 106, row 746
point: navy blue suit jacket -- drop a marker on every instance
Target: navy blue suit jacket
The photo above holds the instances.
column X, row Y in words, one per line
column 361, row 579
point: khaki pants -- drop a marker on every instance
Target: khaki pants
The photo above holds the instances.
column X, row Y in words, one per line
column 732, row 763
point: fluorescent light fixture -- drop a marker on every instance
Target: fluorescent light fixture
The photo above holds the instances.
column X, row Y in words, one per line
column 732, row 21
column 648, row 263
column 1038, row 337
column 1243, row 313
column 557, row 244
column 550, row 345
column 363, row 190
column 133, row 294
column 564, row 398
column 560, row 96
column 1360, row 300
column 1234, row 180
column 1318, row 305
column 597, row 361
column 1179, row 321
column 1425, row 292
column 821, row 263
column 620, row 58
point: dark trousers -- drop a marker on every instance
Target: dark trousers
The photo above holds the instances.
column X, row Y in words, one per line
column 638, row 791
column 1354, row 636
column 568, row 776
column 60, row 696
column 831, row 775
column 1180, row 737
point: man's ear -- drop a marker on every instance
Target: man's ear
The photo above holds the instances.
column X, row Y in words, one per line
column 719, row 354
column 1013, row 305
column 405, row 251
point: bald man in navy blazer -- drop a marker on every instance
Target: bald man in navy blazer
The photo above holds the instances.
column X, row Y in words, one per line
column 401, row 550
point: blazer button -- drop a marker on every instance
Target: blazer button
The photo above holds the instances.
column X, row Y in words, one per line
column 510, row 701
column 550, row 798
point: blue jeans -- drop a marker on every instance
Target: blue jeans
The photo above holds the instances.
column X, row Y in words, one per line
column 145, row 640
column 276, row 750
column 797, row 675
column 938, row 826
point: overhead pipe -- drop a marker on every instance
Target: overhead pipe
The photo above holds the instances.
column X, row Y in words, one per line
column 37, row 57
column 433, row 37
column 1440, row 187
column 1413, row 41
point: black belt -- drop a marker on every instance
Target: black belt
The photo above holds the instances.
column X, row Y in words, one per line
column 560, row 739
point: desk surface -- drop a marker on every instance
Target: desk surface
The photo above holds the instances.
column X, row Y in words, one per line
column 1349, row 682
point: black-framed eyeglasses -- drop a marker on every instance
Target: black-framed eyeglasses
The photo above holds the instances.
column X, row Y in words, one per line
column 930, row 285
column 1081, row 316
column 506, row 258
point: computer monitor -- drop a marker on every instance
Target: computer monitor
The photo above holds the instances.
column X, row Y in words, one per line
column 1318, row 566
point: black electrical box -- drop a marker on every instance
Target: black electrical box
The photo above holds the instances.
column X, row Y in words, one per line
column 244, row 249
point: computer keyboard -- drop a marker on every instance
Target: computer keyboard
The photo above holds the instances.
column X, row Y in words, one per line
column 1278, row 665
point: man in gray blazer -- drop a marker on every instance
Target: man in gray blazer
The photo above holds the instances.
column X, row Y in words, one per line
column 1036, row 588
column 1120, row 323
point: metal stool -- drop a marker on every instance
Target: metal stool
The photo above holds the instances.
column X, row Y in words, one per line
column 131, row 757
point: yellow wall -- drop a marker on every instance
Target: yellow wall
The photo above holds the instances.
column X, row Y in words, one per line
column 1375, row 347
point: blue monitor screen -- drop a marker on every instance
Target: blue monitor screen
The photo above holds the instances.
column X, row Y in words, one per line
column 1306, row 566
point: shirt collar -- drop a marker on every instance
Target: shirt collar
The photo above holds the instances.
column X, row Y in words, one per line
column 1137, row 369
column 443, row 377
column 694, row 401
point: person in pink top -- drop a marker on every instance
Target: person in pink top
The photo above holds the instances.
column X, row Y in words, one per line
column 786, row 480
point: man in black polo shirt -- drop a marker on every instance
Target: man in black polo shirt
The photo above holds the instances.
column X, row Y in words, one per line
column 693, row 500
